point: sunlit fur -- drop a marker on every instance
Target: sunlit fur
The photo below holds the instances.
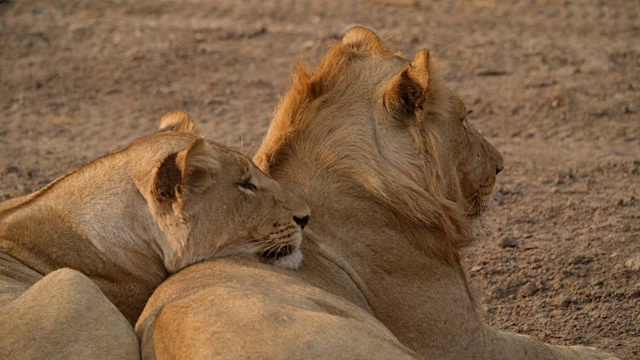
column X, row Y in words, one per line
column 413, row 188
column 133, row 217
column 391, row 174
column 395, row 176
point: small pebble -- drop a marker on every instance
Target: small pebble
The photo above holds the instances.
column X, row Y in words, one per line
column 529, row 290
column 633, row 262
column 488, row 309
column 508, row 241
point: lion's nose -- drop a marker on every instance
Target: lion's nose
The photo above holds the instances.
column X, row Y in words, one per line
column 498, row 169
column 302, row 222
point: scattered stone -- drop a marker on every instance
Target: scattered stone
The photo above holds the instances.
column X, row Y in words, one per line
column 541, row 83
column 488, row 309
column 529, row 290
column 633, row 262
column 567, row 301
column 476, row 268
column 557, row 100
column 508, row 241
column 491, row 72
column 580, row 260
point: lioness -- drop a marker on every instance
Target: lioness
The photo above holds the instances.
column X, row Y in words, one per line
column 127, row 221
column 396, row 178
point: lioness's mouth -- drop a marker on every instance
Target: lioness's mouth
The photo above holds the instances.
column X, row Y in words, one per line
column 278, row 253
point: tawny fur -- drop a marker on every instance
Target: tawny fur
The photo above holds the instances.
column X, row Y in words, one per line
column 128, row 220
column 395, row 176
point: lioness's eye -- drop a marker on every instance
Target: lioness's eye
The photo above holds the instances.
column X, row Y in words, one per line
column 247, row 184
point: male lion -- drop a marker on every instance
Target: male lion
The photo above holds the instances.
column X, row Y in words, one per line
column 395, row 177
column 127, row 221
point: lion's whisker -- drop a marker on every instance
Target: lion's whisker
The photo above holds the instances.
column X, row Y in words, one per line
column 472, row 204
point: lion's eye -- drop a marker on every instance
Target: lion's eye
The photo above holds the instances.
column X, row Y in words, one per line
column 468, row 112
column 247, row 184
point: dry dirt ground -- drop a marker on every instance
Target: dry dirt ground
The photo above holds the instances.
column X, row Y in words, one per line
column 555, row 85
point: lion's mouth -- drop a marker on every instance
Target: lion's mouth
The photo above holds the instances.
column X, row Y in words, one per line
column 479, row 205
column 474, row 213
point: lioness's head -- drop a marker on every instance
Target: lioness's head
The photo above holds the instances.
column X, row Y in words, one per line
column 212, row 201
column 403, row 134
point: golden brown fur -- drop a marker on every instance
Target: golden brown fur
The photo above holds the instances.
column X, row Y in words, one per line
column 327, row 95
column 62, row 315
column 239, row 309
column 128, row 220
column 395, row 178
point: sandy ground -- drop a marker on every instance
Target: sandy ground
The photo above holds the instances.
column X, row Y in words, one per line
column 555, row 85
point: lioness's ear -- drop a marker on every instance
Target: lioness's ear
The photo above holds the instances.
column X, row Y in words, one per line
column 365, row 40
column 197, row 167
column 177, row 120
column 166, row 179
column 406, row 92
column 188, row 171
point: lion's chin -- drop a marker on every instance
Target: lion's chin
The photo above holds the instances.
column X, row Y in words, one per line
column 476, row 223
column 292, row 261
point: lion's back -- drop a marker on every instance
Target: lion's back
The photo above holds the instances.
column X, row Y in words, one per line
column 234, row 304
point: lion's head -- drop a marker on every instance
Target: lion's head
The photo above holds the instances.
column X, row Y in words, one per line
column 392, row 126
column 212, row 201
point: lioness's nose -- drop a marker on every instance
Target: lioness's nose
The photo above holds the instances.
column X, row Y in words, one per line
column 498, row 169
column 301, row 221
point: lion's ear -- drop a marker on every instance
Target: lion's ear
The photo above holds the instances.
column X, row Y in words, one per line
column 406, row 92
column 197, row 166
column 189, row 171
column 177, row 120
column 365, row 40
column 166, row 179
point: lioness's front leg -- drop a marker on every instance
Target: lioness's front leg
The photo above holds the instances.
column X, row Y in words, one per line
column 65, row 316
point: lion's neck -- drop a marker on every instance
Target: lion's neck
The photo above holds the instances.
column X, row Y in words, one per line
column 357, row 250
